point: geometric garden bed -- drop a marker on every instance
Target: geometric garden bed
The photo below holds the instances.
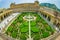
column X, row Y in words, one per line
column 19, row 28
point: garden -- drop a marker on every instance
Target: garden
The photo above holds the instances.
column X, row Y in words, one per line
column 19, row 28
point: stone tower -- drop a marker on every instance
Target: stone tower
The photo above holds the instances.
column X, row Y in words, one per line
column 12, row 5
column 37, row 2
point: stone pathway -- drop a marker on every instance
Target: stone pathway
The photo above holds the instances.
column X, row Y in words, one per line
column 58, row 38
column 29, row 19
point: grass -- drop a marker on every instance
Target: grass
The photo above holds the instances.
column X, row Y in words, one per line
column 39, row 28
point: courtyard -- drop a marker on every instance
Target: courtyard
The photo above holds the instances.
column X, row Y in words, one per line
column 29, row 25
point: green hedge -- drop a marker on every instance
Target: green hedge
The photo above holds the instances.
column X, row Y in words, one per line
column 34, row 29
column 24, row 29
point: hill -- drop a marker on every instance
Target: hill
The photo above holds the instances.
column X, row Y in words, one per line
column 53, row 6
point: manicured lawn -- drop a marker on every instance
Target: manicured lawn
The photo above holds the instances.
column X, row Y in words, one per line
column 20, row 27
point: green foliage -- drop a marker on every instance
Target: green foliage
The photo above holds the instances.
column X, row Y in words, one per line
column 42, row 30
column 22, row 37
column 14, row 34
column 52, row 6
column 33, row 23
column 45, row 34
column 48, row 28
column 10, row 28
column 25, row 23
column 24, row 29
column 44, row 22
column 20, row 19
column 14, row 22
column 20, row 27
column 37, row 37
column 34, row 29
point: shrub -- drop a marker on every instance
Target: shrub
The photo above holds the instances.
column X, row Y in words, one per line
column 22, row 37
column 45, row 34
column 36, row 37
column 24, row 29
column 34, row 29
column 14, row 34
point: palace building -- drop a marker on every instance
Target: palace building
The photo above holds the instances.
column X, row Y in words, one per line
column 50, row 15
column 25, row 5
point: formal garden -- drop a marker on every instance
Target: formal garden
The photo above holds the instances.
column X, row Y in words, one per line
column 19, row 28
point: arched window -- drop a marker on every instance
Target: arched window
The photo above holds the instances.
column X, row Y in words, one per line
column 48, row 18
column 0, row 28
column 45, row 16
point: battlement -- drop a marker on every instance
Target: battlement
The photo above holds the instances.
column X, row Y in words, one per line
column 25, row 5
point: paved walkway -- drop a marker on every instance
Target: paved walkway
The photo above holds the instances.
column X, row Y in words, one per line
column 7, row 20
column 29, row 19
column 29, row 28
column 4, row 37
column 58, row 38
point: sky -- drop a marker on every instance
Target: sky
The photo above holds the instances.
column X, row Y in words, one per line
column 6, row 3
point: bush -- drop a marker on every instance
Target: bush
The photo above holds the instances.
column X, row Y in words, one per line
column 36, row 37
column 14, row 34
column 14, row 22
column 20, row 19
column 10, row 28
column 22, row 37
column 25, row 23
column 33, row 23
column 24, row 29
column 48, row 28
column 45, row 34
column 34, row 29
